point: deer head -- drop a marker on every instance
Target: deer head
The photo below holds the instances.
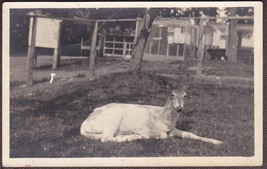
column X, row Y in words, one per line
column 178, row 94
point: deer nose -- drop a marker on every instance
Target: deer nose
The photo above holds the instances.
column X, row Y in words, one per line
column 179, row 108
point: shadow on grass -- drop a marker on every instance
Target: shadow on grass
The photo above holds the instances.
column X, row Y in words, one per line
column 67, row 65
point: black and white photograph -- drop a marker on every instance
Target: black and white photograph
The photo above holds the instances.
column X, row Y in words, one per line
column 91, row 84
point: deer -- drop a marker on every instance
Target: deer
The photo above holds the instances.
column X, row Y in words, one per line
column 120, row 122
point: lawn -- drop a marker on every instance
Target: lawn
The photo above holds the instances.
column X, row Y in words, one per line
column 45, row 119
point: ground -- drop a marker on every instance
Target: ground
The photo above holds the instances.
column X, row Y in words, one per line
column 45, row 118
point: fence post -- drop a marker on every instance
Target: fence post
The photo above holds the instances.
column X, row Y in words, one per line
column 93, row 52
column 232, row 38
column 200, row 49
column 31, row 52
column 185, row 39
column 56, row 58
column 57, row 53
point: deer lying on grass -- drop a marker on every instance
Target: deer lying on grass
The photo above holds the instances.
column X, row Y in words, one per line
column 118, row 122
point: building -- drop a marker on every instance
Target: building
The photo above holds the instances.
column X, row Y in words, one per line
column 216, row 39
column 116, row 39
column 174, row 39
column 245, row 43
column 170, row 39
column 215, row 35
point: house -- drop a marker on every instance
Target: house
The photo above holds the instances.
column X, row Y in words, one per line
column 245, row 36
column 115, row 39
column 245, row 43
column 216, row 39
column 215, row 35
column 170, row 39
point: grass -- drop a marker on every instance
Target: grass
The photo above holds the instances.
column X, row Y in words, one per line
column 81, row 75
column 227, row 69
column 46, row 124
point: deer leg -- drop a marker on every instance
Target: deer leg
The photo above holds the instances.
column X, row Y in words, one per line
column 162, row 135
column 130, row 137
column 188, row 135
column 108, row 136
column 109, row 133
column 95, row 136
column 105, row 139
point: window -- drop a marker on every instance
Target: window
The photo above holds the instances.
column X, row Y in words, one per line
column 158, row 32
column 110, row 38
column 247, row 35
column 182, row 30
column 114, row 45
column 170, row 29
column 223, row 37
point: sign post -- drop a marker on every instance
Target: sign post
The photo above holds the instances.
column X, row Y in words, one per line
column 43, row 32
column 31, row 51
column 47, row 35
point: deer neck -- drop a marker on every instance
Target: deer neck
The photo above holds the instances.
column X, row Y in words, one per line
column 168, row 112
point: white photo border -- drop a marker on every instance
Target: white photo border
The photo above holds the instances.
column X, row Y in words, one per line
column 256, row 160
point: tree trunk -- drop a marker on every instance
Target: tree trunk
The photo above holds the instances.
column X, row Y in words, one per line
column 232, row 38
column 140, row 43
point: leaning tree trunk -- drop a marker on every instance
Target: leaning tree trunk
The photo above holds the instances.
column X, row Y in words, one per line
column 140, row 43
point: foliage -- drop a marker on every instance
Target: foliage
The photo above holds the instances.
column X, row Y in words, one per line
column 189, row 12
column 243, row 11
column 19, row 27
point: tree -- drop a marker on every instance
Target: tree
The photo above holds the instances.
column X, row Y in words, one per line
column 139, row 46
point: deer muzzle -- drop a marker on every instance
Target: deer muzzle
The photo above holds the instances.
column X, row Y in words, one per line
column 179, row 109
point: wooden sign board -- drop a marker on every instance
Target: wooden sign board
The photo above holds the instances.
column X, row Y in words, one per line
column 47, row 32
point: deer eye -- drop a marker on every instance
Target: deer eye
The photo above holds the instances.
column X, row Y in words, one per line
column 185, row 96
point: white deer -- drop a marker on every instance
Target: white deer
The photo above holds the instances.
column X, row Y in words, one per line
column 119, row 122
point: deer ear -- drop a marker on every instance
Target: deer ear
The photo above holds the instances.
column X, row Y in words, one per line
column 163, row 83
column 185, row 82
column 169, row 87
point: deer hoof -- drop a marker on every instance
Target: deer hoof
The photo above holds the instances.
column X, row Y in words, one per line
column 216, row 142
column 108, row 139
